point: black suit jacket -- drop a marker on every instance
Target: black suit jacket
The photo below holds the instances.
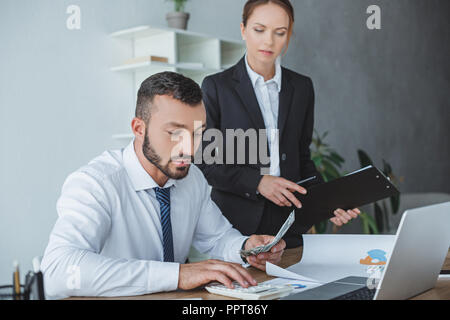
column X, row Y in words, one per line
column 231, row 103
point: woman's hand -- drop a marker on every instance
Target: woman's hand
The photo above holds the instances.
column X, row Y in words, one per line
column 280, row 191
column 342, row 217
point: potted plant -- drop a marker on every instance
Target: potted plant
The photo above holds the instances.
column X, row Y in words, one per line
column 328, row 162
column 178, row 19
column 381, row 211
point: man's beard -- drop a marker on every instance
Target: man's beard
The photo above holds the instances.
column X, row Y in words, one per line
column 151, row 155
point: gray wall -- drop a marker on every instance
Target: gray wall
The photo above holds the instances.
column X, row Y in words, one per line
column 384, row 91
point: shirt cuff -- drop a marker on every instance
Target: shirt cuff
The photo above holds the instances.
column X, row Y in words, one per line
column 235, row 255
column 244, row 259
column 163, row 276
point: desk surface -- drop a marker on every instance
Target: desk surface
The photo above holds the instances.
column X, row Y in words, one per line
column 291, row 256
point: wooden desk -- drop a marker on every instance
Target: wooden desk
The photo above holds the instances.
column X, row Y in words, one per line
column 290, row 257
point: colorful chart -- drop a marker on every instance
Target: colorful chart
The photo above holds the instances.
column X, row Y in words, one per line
column 374, row 255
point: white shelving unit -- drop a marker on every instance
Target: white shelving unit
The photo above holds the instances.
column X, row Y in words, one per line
column 192, row 54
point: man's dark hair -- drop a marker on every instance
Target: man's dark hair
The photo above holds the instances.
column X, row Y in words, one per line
column 168, row 83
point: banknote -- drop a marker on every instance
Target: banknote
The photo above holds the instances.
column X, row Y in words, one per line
column 265, row 248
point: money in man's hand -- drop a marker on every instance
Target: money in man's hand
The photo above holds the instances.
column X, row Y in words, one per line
column 265, row 248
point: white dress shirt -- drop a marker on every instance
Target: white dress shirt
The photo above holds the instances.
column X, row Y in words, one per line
column 107, row 240
column 267, row 94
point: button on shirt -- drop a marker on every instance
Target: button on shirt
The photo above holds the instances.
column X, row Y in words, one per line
column 267, row 94
column 108, row 241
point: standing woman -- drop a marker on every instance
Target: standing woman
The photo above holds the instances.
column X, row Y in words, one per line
column 258, row 93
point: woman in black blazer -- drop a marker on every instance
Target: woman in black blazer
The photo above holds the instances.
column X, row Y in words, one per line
column 257, row 93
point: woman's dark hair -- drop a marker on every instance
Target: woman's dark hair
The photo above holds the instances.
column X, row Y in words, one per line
column 285, row 4
column 168, row 83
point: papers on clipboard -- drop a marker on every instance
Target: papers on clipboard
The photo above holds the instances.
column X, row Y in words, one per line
column 327, row 258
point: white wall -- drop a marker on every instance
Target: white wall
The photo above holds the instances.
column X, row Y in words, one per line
column 60, row 103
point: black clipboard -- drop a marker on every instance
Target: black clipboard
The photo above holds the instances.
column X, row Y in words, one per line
column 358, row 188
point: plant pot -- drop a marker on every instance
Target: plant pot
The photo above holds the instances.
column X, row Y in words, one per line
column 177, row 20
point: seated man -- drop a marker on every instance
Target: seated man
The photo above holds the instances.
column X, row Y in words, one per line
column 128, row 218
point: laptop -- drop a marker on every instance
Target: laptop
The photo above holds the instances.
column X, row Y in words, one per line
column 421, row 245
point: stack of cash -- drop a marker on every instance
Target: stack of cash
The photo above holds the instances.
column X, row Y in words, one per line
column 257, row 250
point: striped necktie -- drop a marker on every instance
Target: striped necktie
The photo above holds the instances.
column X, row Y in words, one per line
column 163, row 196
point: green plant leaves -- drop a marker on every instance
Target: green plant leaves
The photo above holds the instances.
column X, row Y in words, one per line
column 327, row 162
column 317, row 161
column 369, row 225
column 395, row 200
column 330, row 170
column 395, row 203
column 179, row 5
column 379, row 219
column 321, row 227
column 364, row 159
column 337, row 159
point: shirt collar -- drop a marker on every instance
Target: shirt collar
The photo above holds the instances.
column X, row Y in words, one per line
column 255, row 77
column 140, row 179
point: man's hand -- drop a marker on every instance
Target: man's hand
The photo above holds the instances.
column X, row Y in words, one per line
column 193, row 275
column 343, row 217
column 273, row 256
column 280, row 191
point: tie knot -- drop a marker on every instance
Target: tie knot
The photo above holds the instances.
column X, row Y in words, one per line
column 163, row 190
column 162, row 194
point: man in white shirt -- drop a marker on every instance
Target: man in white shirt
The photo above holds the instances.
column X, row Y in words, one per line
column 127, row 220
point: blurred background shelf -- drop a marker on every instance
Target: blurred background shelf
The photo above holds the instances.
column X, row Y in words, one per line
column 192, row 54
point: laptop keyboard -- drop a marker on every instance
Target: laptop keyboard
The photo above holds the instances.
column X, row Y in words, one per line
column 360, row 294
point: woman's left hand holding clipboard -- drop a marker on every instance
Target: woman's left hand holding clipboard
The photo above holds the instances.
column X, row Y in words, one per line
column 342, row 216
